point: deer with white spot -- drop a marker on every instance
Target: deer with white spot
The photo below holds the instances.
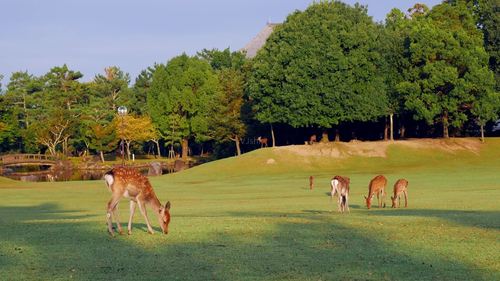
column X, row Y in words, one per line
column 340, row 186
column 129, row 183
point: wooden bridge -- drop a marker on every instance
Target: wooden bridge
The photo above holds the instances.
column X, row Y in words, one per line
column 27, row 160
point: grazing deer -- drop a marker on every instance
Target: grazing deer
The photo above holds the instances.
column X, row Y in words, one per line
column 312, row 139
column 263, row 141
column 129, row 183
column 377, row 186
column 401, row 186
column 340, row 186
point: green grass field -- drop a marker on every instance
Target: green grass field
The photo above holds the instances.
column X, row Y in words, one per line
column 243, row 219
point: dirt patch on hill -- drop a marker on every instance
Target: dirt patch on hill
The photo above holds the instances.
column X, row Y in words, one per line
column 379, row 148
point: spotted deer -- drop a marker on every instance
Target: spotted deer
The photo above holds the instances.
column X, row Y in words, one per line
column 401, row 186
column 377, row 186
column 128, row 182
column 340, row 186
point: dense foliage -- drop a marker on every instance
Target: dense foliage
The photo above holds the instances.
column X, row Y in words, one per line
column 327, row 67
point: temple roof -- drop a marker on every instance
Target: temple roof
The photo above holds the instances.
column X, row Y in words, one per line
column 259, row 40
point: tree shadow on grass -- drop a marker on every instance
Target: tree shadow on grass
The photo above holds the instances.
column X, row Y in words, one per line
column 481, row 219
column 57, row 244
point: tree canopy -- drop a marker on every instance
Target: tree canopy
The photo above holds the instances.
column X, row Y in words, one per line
column 320, row 68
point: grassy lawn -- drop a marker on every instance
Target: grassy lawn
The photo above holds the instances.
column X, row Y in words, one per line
column 243, row 219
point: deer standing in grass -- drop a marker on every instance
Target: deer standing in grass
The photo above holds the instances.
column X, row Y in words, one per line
column 401, row 186
column 262, row 141
column 129, row 183
column 340, row 186
column 377, row 186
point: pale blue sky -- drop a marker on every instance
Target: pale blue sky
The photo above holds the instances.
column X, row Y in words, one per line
column 90, row 35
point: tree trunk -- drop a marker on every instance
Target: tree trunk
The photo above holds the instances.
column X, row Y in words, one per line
column 128, row 150
column 272, row 135
column 337, row 135
column 403, row 132
column 482, row 132
column 238, row 148
column 102, row 156
column 386, row 129
column 391, row 118
column 185, row 148
column 157, row 142
column 445, row 125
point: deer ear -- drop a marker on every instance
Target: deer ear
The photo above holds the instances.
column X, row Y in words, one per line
column 167, row 206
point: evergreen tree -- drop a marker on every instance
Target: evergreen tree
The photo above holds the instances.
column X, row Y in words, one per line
column 181, row 96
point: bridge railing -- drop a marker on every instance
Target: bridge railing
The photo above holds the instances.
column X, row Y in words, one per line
column 20, row 158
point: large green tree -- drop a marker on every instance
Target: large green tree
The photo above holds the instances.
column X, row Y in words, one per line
column 226, row 120
column 113, row 87
column 181, row 96
column 19, row 104
column 62, row 99
column 396, row 63
column 320, row 68
column 448, row 65
column 487, row 15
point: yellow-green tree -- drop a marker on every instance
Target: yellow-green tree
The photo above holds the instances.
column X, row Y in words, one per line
column 132, row 128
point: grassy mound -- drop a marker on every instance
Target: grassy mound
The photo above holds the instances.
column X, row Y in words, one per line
column 253, row 217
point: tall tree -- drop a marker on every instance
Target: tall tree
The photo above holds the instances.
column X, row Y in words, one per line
column 113, row 87
column 320, row 68
column 184, row 90
column 226, row 120
column 134, row 129
column 397, row 64
column 62, row 91
column 140, row 90
column 447, row 57
column 487, row 15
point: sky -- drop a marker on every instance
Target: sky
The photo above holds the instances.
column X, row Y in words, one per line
column 89, row 35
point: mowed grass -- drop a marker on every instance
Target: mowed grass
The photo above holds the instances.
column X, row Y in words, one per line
column 243, row 219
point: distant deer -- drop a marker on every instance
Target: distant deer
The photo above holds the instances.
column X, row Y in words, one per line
column 312, row 139
column 340, row 186
column 129, row 183
column 377, row 186
column 263, row 141
column 401, row 186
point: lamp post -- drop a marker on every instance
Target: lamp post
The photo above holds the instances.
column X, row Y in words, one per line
column 122, row 111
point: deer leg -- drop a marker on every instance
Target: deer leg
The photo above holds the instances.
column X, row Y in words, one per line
column 406, row 199
column 347, row 202
column 111, row 205
column 117, row 220
column 132, row 211
column 339, row 203
column 382, row 203
column 142, row 208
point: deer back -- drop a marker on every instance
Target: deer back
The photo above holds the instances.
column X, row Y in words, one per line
column 400, row 186
column 344, row 182
column 377, row 183
column 130, row 180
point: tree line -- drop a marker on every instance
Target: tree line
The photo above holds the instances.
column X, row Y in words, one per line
column 327, row 69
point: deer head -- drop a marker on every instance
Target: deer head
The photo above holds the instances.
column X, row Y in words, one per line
column 164, row 217
column 368, row 201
